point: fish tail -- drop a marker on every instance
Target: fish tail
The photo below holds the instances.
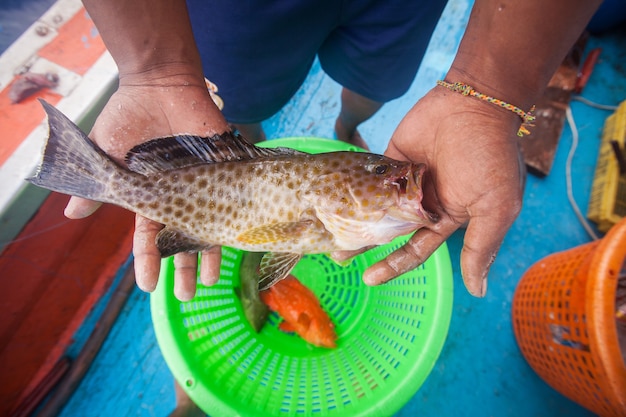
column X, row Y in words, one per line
column 72, row 163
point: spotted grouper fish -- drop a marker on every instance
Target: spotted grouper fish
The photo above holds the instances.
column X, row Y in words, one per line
column 224, row 190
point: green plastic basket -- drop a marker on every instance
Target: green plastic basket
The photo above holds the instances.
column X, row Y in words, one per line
column 389, row 336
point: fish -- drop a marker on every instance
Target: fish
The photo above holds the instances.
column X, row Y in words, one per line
column 224, row 191
column 254, row 309
column 301, row 312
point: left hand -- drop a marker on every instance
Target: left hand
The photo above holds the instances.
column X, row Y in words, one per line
column 137, row 113
column 474, row 177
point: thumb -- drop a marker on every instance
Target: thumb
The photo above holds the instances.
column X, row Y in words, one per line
column 483, row 238
column 409, row 256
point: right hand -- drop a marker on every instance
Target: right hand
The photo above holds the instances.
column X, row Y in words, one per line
column 133, row 115
column 475, row 177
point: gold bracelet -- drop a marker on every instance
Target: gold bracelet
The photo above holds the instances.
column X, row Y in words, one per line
column 466, row 90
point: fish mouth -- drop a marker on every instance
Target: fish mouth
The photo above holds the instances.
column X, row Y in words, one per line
column 401, row 183
column 410, row 180
column 410, row 194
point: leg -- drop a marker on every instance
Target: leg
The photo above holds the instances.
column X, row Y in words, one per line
column 374, row 54
column 355, row 109
column 184, row 406
column 251, row 131
column 254, row 63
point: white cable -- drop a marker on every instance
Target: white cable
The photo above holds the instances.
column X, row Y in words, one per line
column 568, row 174
column 594, row 104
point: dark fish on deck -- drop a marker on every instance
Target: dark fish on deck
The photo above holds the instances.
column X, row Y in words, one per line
column 223, row 190
column 30, row 83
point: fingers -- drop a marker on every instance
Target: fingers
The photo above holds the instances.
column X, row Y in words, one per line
column 409, row 256
column 186, row 271
column 210, row 265
column 345, row 256
column 148, row 262
column 482, row 240
column 147, row 256
column 78, row 208
column 185, row 275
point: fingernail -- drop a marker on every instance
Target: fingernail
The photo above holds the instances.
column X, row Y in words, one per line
column 70, row 210
column 343, row 263
column 483, row 284
column 374, row 276
column 142, row 278
column 475, row 287
column 183, row 294
column 77, row 209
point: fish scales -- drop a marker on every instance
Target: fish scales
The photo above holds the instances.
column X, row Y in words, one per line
column 224, row 190
column 218, row 202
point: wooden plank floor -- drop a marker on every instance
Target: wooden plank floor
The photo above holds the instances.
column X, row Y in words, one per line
column 480, row 371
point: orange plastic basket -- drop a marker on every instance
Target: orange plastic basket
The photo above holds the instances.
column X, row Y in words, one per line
column 564, row 322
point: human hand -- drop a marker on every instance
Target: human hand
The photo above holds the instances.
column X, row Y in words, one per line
column 475, row 177
column 135, row 114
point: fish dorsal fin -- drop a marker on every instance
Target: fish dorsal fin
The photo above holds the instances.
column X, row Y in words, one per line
column 165, row 154
column 171, row 241
column 276, row 266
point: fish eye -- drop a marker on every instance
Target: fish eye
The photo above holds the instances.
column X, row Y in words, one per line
column 381, row 169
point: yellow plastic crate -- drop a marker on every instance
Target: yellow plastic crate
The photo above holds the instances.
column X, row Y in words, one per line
column 607, row 204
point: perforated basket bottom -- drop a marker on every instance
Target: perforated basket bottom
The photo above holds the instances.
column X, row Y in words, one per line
column 389, row 336
column 389, row 339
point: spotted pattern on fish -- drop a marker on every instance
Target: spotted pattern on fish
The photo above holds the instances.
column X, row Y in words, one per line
column 226, row 191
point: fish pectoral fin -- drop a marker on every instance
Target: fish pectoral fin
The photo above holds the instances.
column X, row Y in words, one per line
column 276, row 266
column 171, row 241
column 275, row 232
column 350, row 231
column 286, row 327
column 304, row 320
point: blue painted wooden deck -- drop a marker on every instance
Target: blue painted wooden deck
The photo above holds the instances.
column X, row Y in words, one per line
column 480, row 371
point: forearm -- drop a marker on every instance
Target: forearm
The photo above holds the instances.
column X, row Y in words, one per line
column 149, row 40
column 162, row 89
column 511, row 49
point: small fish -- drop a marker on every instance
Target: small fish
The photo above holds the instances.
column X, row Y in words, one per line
column 223, row 190
column 301, row 312
column 255, row 310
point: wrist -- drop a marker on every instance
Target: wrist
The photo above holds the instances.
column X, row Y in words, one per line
column 163, row 60
column 162, row 74
column 150, row 41
column 490, row 81
column 511, row 50
column 469, row 91
column 469, row 112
